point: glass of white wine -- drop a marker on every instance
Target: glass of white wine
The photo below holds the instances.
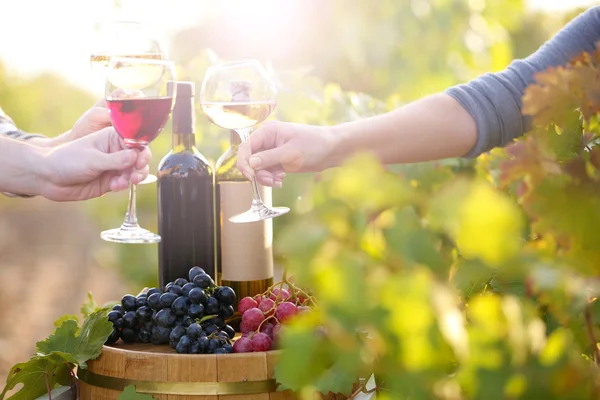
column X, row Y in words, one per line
column 128, row 39
column 238, row 96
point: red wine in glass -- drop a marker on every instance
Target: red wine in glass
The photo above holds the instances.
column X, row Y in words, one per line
column 139, row 121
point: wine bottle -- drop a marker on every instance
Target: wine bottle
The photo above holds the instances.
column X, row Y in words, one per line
column 244, row 251
column 186, row 219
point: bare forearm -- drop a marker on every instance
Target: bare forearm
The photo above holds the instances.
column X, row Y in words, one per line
column 432, row 128
column 21, row 164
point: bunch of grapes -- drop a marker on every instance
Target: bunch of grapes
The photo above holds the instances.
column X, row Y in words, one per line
column 189, row 315
column 263, row 316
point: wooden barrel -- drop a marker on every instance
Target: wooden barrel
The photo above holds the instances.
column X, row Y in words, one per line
column 166, row 375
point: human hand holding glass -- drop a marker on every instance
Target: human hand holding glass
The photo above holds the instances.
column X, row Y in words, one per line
column 139, row 96
column 238, row 96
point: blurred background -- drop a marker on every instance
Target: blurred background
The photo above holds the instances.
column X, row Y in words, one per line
column 334, row 61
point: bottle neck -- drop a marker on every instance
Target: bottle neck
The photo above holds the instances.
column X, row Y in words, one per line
column 183, row 141
column 184, row 126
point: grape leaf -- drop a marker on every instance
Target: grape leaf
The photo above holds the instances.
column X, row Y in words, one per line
column 89, row 306
column 129, row 393
column 64, row 318
column 40, row 373
column 85, row 344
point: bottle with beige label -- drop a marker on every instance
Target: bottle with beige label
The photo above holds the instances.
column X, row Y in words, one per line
column 244, row 251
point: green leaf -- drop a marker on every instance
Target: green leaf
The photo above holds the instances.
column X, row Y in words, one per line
column 64, row 318
column 130, row 394
column 83, row 345
column 89, row 306
column 37, row 375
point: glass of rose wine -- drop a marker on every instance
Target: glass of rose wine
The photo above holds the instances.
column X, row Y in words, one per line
column 123, row 39
column 238, row 96
column 139, row 96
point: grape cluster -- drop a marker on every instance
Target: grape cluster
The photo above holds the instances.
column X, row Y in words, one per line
column 189, row 315
column 262, row 318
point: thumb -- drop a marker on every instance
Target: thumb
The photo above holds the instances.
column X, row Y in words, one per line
column 101, row 103
column 285, row 156
column 116, row 161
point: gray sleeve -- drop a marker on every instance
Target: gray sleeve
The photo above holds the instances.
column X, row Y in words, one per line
column 494, row 99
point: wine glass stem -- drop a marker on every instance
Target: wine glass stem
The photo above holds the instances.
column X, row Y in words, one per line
column 131, row 217
column 257, row 202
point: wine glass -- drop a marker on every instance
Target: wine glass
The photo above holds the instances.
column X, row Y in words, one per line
column 139, row 96
column 123, row 39
column 238, row 96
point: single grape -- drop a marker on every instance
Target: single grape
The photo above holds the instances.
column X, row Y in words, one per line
column 196, row 311
column 147, row 325
column 187, row 321
column 167, row 286
column 229, row 331
column 183, row 347
column 128, row 335
column 197, row 295
column 220, row 350
column 141, row 300
column 176, row 289
column 187, row 288
column 267, row 328
column 113, row 337
column 246, row 304
column 119, row 324
column 258, row 298
column 226, row 312
column 143, row 314
column 195, row 348
column 283, row 296
column 167, row 299
column 261, row 342
column 194, row 271
column 177, row 333
column 252, row 318
column 213, row 344
column 212, row 306
column 114, row 315
column 276, row 332
column 228, row 348
column 128, row 302
column 164, row 318
column 153, row 301
column 243, row 345
column 180, row 282
column 203, row 281
column 219, row 322
column 152, row 291
column 194, row 331
column 180, row 306
column 203, row 342
column 226, row 296
column 210, row 328
column 222, row 336
column 243, row 328
column 119, row 308
column 160, row 335
column 144, row 336
column 267, row 306
column 129, row 320
column 285, row 311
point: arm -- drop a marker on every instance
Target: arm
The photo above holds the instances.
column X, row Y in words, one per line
column 22, row 166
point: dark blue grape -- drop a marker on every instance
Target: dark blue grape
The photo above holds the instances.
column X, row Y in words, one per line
column 225, row 295
column 196, row 311
column 228, row 348
column 187, row 321
column 119, row 323
column 114, row 315
column 145, row 336
column 203, row 281
column 197, row 296
column 141, row 300
column 203, row 342
column 195, row 348
column 183, row 347
column 113, row 337
column 167, row 286
column 222, row 335
column 220, row 350
column 128, row 335
column 176, row 289
column 187, row 288
column 213, row 344
column 153, row 301
column 173, row 344
column 219, row 322
column 165, row 318
column 177, row 333
column 143, row 314
column 180, row 306
column 212, row 306
column 128, row 302
column 160, row 335
column 180, row 282
column 119, row 308
column 194, row 271
column 166, row 299
column 229, row 331
column 194, row 331
column 210, row 328
column 147, row 325
column 226, row 312
column 152, row 291
column 129, row 320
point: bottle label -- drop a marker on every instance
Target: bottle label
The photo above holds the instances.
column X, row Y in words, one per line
column 246, row 249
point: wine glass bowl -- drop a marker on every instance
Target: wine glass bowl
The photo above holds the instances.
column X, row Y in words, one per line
column 238, row 96
column 139, row 96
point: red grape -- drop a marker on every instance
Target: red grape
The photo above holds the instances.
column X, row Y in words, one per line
column 267, row 307
column 285, row 311
column 243, row 345
column 252, row 318
column 303, row 309
column 261, row 342
column 267, row 328
column 276, row 332
column 258, row 298
column 282, row 297
column 244, row 329
column 246, row 303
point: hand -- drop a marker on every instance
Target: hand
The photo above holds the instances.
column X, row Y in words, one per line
column 279, row 147
column 92, row 166
column 93, row 120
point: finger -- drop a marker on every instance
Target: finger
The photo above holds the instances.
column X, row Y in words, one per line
column 285, row 156
column 242, row 161
column 264, row 177
column 144, row 157
column 139, row 175
column 116, row 161
column 119, row 183
column 265, row 137
column 101, row 103
column 99, row 117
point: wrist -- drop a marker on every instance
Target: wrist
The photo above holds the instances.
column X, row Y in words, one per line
column 40, row 172
column 339, row 147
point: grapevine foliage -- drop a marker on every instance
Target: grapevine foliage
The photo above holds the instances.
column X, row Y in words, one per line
column 469, row 282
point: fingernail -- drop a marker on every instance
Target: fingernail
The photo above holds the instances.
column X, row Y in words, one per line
column 254, row 162
column 280, row 175
column 268, row 181
column 278, row 184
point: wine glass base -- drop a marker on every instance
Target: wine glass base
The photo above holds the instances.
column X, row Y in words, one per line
column 149, row 179
column 130, row 236
column 255, row 215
